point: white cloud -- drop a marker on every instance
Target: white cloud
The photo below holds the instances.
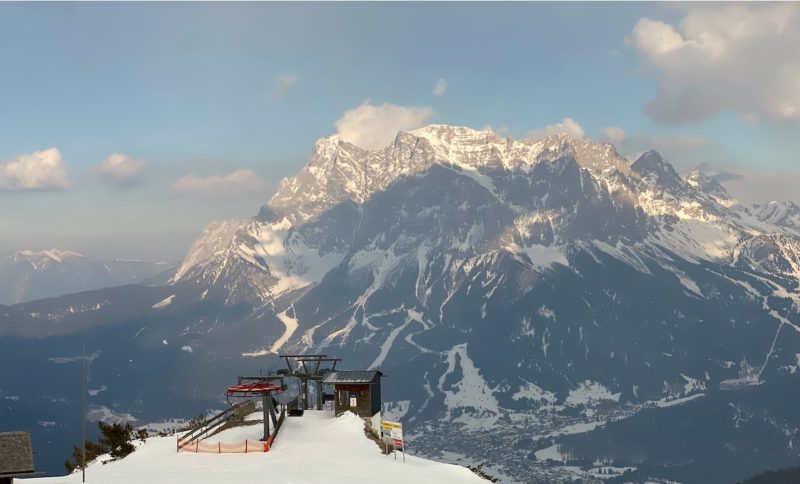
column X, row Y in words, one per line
column 283, row 82
column 233, row 183
column 676, row 143
column 372, row 127
column 121, row 168
column 613, row 134
column 440, row 88
column 675, row 147
column 740, row 58
column 501, row 131
column 567, row 126
column 40, row 170
column 757, row 186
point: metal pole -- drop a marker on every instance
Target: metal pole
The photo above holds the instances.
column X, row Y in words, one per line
column 403, row 436
column 265, row 410
column 83, row 414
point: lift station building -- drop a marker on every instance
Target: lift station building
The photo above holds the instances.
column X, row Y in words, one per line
column 356, row 391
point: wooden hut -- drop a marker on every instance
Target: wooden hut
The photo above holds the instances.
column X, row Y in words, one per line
column 357, row 391
column 16, row 456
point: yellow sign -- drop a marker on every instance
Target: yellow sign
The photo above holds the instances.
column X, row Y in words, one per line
column 393, row 430
column 389, row 426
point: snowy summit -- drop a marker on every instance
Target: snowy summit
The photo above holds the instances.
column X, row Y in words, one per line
column 315, row 448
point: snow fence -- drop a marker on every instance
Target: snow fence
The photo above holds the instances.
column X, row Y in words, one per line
column 202, row 447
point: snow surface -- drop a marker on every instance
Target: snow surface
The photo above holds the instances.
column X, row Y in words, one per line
column 315, row 448
column 588, row 393
column 290, row 324
column 550, row 453
column 543, row 256
column 471, row 392
column 164, row 302
column 671, row 402
column 534, row 393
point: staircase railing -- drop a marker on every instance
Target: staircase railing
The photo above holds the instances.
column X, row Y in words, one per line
column 213, row 422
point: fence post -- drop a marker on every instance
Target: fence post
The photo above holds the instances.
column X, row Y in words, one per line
column 219, row 447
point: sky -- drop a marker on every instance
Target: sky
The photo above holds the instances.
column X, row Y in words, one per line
column 126, row 127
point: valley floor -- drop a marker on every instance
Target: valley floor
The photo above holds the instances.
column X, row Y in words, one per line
column 315, row 448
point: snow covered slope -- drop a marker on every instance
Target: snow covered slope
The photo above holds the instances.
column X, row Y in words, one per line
column 315, row 448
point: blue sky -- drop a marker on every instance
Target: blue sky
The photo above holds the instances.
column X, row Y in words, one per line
column 208, row 89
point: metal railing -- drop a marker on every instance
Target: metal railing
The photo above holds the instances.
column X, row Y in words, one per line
column 211, row 424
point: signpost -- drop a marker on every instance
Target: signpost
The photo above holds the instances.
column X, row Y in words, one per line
column 394, row 430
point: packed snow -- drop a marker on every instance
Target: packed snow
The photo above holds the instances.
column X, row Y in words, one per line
column 315, row 448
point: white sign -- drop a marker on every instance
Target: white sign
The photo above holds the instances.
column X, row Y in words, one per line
column 353, row 402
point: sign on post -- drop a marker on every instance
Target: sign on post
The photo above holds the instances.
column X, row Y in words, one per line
column 394, row 430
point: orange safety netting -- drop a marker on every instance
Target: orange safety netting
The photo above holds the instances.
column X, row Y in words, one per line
column 203, row 447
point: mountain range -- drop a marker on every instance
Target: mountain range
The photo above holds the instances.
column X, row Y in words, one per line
column 29, row 275
column 545, row 307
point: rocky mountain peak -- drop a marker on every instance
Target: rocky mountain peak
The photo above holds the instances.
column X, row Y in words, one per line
column 596, row 157
column 43, row 257
column 651, row 162
column 657, row 170
column 338, row 171
column 707, row 184
column 782, row 214
column 443, row 133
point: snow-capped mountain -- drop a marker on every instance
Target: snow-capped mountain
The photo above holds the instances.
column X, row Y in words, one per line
column 528, row 273
column 702, row 182
column 529, row 300
column 559, row 193
column 781, row 214
column 29, row 275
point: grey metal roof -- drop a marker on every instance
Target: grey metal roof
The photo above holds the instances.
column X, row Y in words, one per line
column 352, row 377
column 16, row 453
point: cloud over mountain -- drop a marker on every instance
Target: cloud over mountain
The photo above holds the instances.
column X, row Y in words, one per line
column 121, row 168
column 567, row 126
column 440, row 88
column 40, row 170
column 370, row 127
column 740, row 58
column 214, row 185
column 613, row 134
column 282, row 84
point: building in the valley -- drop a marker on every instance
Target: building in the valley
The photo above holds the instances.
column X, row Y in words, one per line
column 357, row 391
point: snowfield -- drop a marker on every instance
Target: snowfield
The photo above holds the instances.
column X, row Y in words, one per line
column 315, row 448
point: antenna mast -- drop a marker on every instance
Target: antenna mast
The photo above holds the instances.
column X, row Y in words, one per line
column 83, row 415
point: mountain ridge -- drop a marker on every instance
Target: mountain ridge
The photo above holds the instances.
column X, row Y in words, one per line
column 29, row 274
